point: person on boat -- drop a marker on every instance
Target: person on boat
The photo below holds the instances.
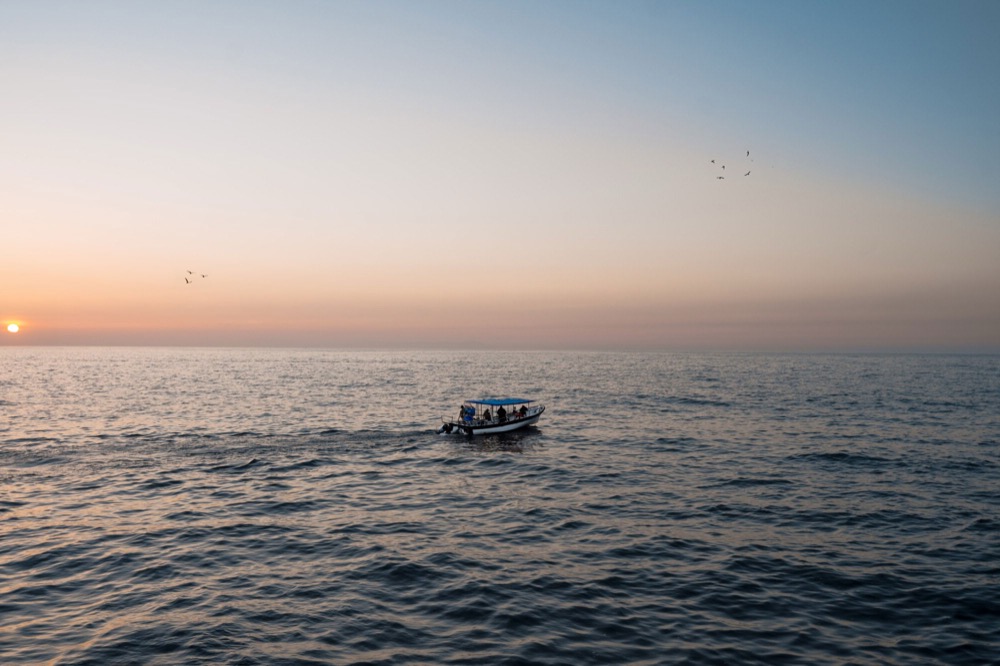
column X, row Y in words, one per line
column 523, row 411
column 501, row 414
column 487, row 416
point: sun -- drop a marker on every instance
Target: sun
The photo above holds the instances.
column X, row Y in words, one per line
column 13, row 328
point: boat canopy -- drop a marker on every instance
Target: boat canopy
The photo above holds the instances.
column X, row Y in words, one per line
column 497, row 402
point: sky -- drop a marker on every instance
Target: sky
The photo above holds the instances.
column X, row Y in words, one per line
column 502, row 175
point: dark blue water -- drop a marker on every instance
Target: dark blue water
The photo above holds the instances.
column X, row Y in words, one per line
column 167, row 506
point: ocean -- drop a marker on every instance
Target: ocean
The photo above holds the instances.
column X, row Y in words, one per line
column 255, row 506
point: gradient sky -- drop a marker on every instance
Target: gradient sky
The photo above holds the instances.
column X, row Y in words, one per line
column 502, row 174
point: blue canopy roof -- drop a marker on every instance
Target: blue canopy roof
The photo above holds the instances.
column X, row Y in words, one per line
column 497, row 402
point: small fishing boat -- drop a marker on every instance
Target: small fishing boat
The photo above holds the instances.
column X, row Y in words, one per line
column 487, row 416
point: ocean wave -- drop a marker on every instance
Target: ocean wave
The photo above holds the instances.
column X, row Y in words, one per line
column 691, row 509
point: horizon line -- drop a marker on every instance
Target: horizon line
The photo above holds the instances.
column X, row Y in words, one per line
column 886, row 351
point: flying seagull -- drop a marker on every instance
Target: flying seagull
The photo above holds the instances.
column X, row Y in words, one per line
column 187, row 281
column 720, row 177
column 747, row 173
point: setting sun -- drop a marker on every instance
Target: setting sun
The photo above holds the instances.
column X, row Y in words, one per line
column 13, row 328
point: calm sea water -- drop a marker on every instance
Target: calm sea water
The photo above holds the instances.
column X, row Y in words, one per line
column 169, row 506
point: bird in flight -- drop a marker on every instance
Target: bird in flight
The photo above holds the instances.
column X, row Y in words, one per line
column 723, row 166
column 193, row 276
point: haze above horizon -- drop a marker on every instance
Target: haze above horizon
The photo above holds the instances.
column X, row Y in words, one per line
column 506, row 175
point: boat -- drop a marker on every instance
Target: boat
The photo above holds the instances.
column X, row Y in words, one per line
column 488, row 416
